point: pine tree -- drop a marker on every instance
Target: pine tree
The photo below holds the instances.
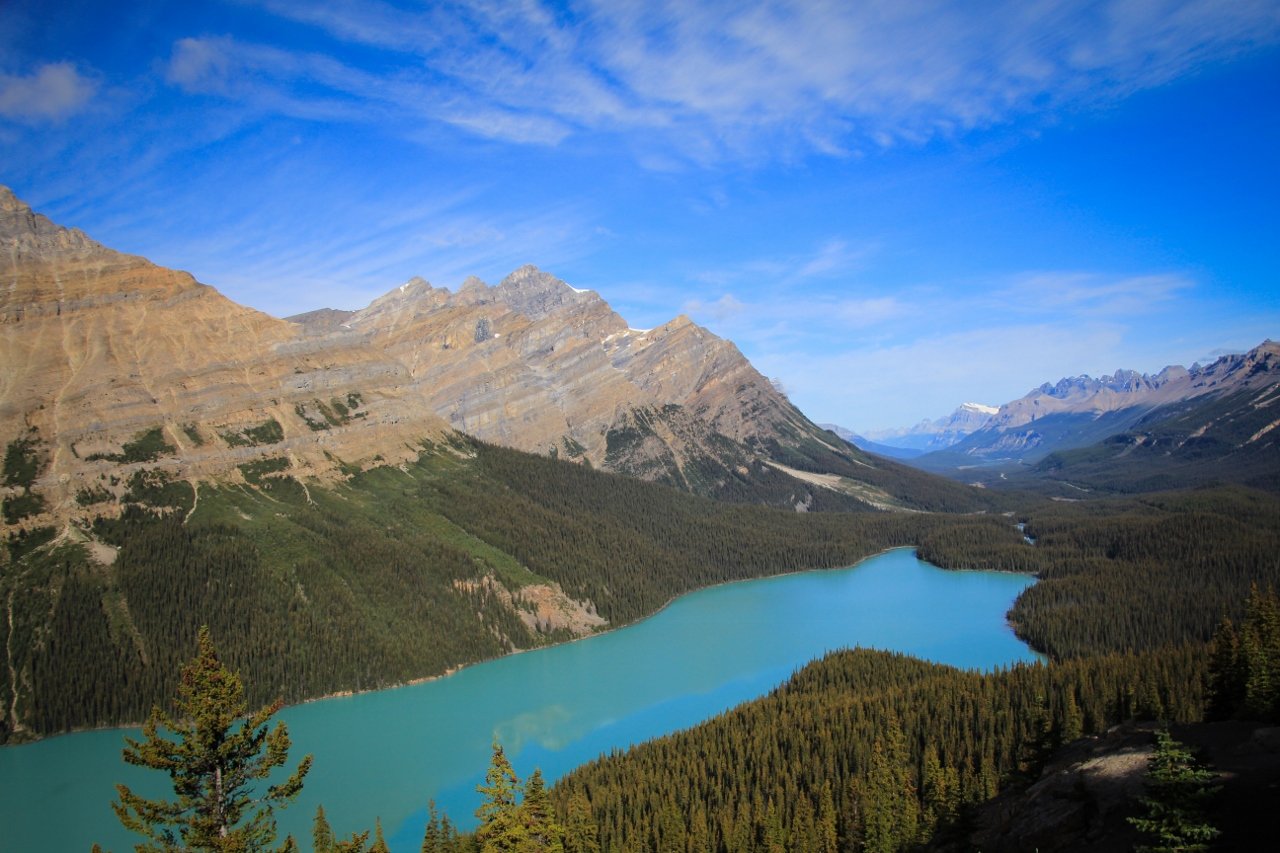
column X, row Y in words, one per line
column 379, row 843
column 1072, row 719
column 500, row 826
column 431, row 839
column 543, row 834
column 1260, row 651
column 322, row 834
column 1179, row 789
column 581, row 834
column 1226, row 676
column 889, row 803
column 218, row 764
column 450, row 841
column 827, row 836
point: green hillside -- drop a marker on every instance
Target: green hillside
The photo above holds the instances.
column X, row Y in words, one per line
column 395, row 574
column 865, row 750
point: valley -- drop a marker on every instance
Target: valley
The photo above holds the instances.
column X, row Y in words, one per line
column 559, row 707
column 353, row 501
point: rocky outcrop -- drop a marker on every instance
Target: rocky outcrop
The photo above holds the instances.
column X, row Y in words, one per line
column 1080, row 802
column 1081, row 411
column 1088, row 790
column 535, row 364
column 112, row 363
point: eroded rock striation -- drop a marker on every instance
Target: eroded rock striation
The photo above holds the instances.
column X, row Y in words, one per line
column 535, row 364
column 112, row 363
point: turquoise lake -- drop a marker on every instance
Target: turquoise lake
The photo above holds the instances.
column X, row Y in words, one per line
column 385, row 753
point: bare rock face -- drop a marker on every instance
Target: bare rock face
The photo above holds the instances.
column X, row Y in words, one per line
column 1080, row 802
column 535, row 364
column 113, row 364
column 1128, row 389
column 110, row 360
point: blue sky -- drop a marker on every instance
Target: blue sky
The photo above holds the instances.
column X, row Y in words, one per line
column 891, row 207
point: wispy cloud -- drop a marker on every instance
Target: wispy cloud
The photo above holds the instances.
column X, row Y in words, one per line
column 766, row 78
column 51, row 93
column 833, row 258
column 1090, row 293
column 318, row 87
column 350, row 261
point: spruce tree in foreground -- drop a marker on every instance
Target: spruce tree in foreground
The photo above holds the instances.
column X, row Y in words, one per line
column 1178, row 794
column 500, row 825
column 218, row 764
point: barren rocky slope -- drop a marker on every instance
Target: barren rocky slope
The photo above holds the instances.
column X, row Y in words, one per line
column 535, row 364
column 111, row 362
column 120, row 376
column 1081, row 411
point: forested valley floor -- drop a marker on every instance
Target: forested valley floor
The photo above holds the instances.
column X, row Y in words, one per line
column 861, row 750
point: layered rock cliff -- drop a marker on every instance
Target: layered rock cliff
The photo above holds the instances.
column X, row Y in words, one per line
column 535, row 364
column 1080, row 411
column 113, row 364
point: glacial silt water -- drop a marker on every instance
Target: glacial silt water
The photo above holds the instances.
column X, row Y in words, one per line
column 385, row 753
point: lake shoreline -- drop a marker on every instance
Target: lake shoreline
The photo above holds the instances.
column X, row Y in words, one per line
column 349, row 693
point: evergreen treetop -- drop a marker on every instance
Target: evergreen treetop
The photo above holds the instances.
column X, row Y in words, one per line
column 218, row 763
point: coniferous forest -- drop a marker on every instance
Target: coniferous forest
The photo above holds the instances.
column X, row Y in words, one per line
column 859, row 751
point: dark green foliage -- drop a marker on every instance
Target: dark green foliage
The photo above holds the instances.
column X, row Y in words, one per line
column 538, row 820
column 319, row 415
column 501, row 827
column 1124, row 574
column 1244, row 672
column 193, row 433
column 1179, row 790
column 22, row 462
column 379, row 581
column 267, row 432
column 879, row 749
column 1212, row 440
column 323, row 840
column 155, row 488
column 18, row 507
column 23, row 542
column 93, row 495
column 218, row 763
column 254, row 472
column 581, row 835
column 513, row 817
column 440, row 835
column 145, row 447
column 379, row 843
column 630, row 546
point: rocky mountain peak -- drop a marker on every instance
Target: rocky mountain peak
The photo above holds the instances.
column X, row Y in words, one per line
column 536, row 294
column 29, row 236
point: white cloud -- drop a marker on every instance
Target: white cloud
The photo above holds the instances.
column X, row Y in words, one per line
column 1087, row 293
column 721, row 310
column 704, row 81
column 52, row 93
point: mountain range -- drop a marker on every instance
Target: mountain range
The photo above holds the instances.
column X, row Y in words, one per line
column 118, row 369
column 1128, row 431
column 936, row 434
